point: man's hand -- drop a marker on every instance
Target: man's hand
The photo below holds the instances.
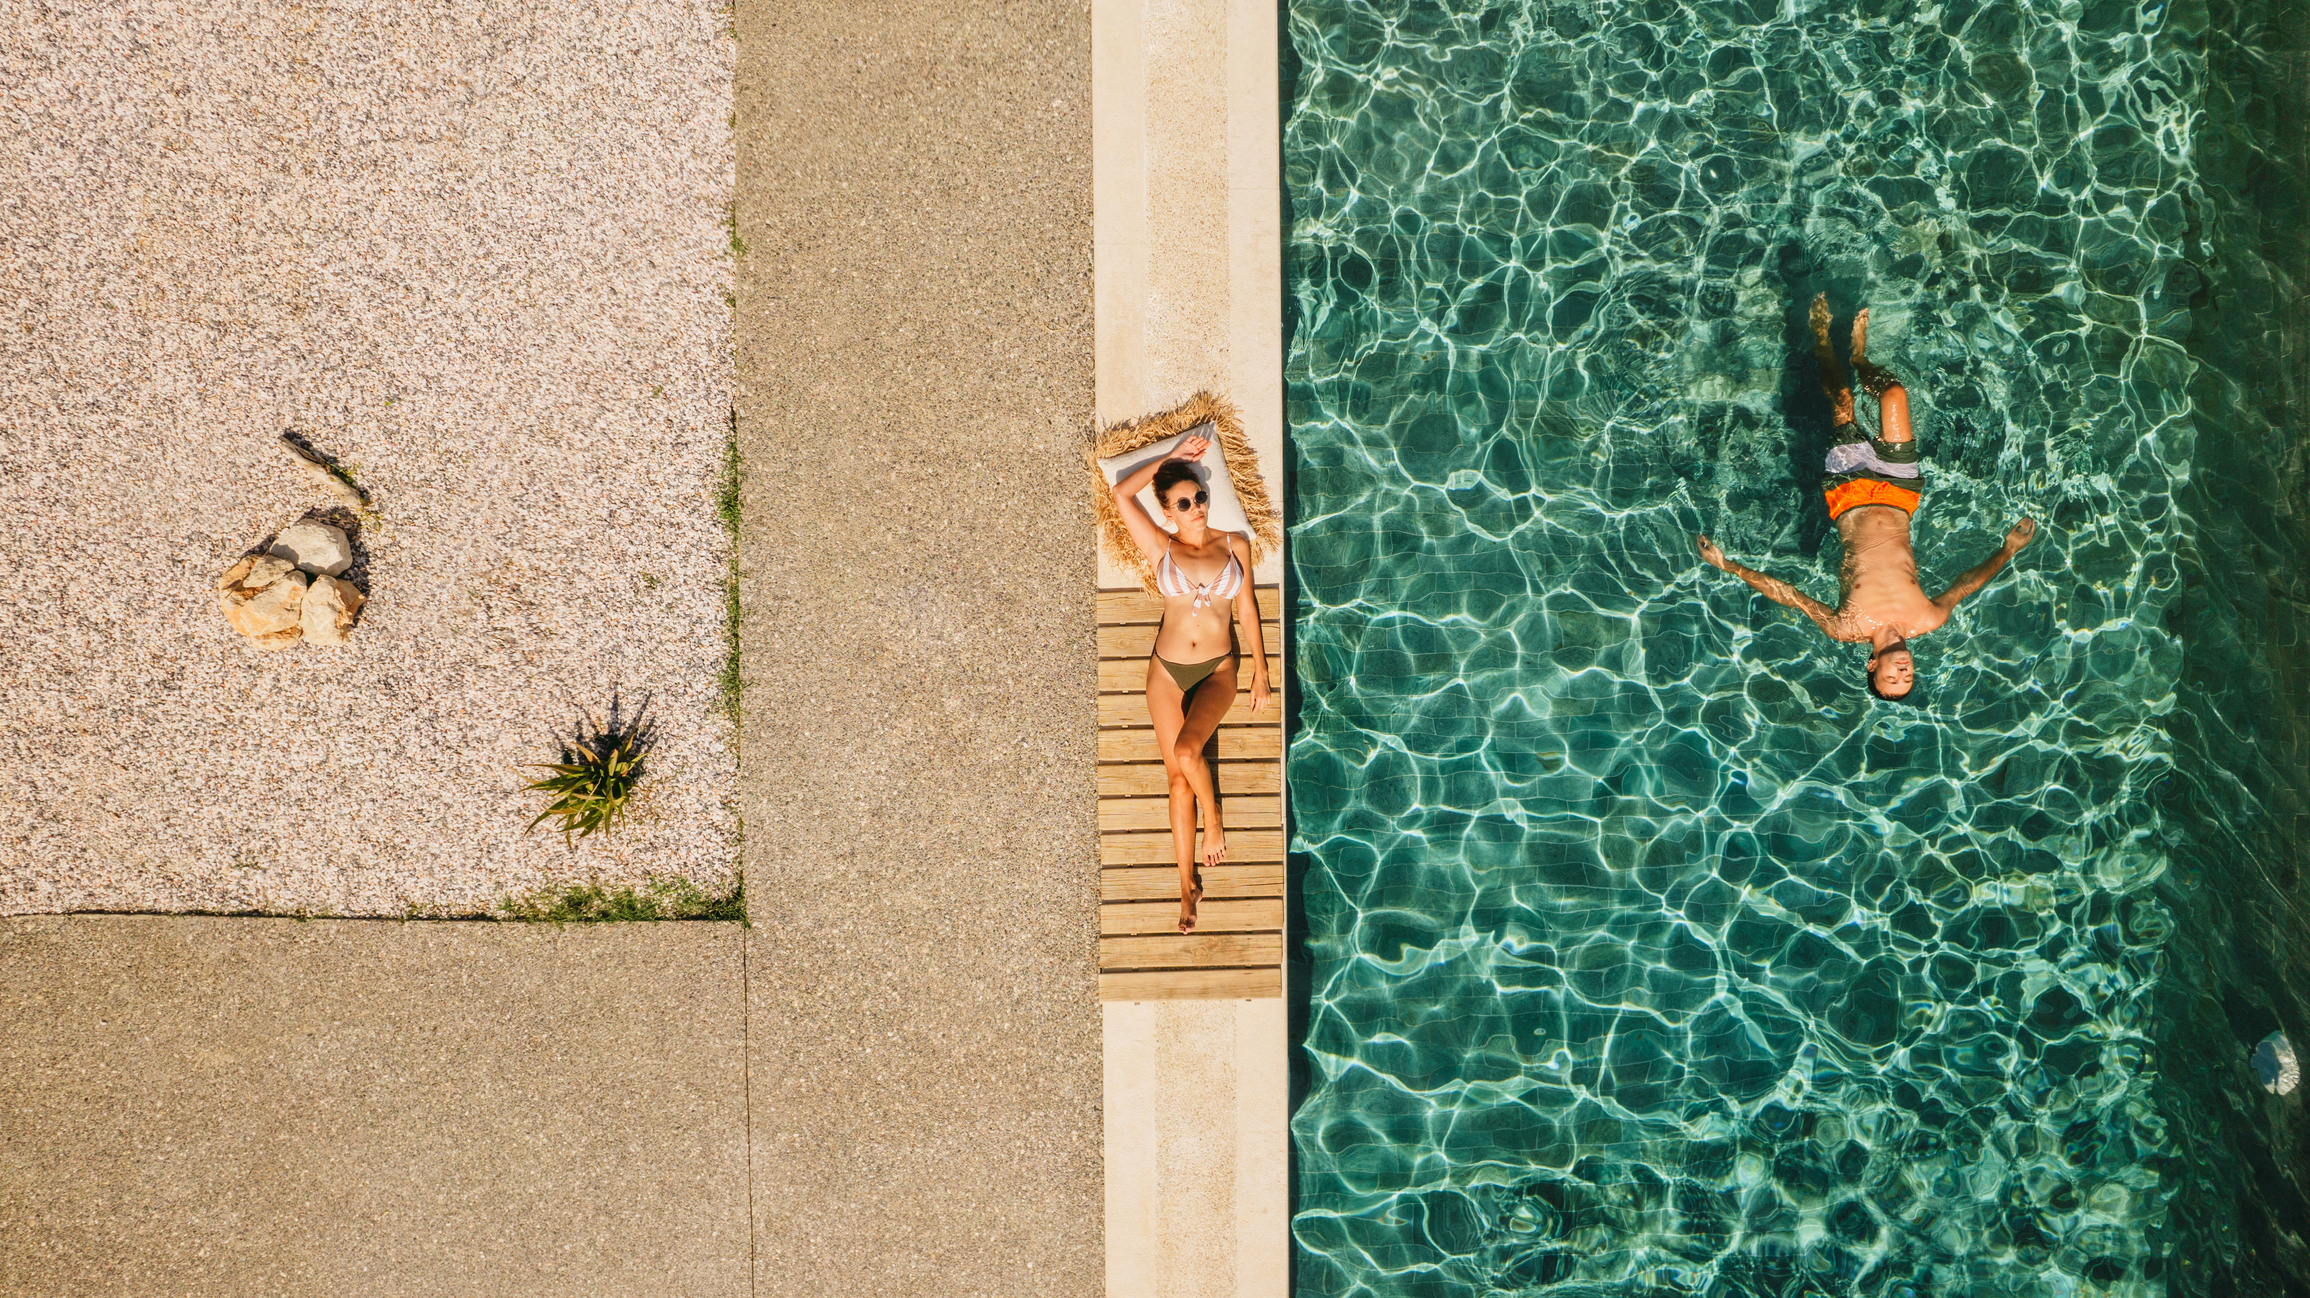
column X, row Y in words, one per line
column 1712, row 555
column 1979, row 574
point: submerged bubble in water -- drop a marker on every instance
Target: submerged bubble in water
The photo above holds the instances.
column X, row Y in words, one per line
column 2275, row 1065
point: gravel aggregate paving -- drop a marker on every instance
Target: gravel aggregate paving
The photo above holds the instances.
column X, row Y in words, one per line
column 477, row 254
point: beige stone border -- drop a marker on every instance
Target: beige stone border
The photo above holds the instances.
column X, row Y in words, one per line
column 1189, row 297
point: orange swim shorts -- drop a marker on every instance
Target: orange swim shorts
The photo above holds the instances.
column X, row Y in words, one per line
column 1856, row 492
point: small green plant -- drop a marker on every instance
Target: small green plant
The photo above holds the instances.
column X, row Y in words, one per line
column 730, row 218
column 649, row 581
column 593, row 903
column 593, row 780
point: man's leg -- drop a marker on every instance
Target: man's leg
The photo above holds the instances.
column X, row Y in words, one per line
column 1834, row 384
column 1892, row 399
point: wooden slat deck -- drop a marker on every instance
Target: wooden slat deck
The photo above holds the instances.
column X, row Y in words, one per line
column 1237, row 947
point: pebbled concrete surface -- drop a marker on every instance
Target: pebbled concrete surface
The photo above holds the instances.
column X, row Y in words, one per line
column 476, row 252
column 914, row 374
column 194, row 1106
column 256, row 1107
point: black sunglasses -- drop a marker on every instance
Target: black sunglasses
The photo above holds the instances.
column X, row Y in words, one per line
column 1201, row 498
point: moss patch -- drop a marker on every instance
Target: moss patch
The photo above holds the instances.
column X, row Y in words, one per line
column 656, row 899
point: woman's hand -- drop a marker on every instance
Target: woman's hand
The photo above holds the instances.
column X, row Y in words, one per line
column 1192, row 449
column 1258, row 691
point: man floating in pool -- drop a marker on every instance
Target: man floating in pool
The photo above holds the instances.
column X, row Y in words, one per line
column 1873, row 485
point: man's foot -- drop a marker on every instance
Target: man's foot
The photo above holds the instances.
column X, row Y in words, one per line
column 1832, row 373
column 1214, row 844
column 1877, row 381
column 1187, row 908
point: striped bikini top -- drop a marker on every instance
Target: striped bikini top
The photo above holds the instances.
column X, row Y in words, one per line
column 1174, row 583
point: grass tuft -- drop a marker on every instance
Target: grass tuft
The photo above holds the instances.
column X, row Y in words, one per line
column 730, row 219
column 656, row 899
column 592, row 782
column 727, row 507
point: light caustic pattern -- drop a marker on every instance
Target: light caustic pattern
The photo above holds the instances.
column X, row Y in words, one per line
column 1647, row 952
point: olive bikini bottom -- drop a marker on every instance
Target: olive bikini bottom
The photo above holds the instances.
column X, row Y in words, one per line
column 1190, row 675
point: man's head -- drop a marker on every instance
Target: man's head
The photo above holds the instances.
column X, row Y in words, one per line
column 1892, row 672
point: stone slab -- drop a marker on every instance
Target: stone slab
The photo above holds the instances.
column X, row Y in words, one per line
column 914, row 373
column 1197, row 1183
column 243, row 1107
column 1189, row 187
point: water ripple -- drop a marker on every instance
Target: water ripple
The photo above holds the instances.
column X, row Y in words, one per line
column 1647, row 952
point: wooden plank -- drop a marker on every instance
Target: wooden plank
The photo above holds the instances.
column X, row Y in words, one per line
column 1192, row 985
column 1131, row 604
column 1129, row 675
column 1147, row 780
column 1139, row 641
column 1191, row 951
column 1248, row 846
column 1235, row 744
column 1211, row 916
column 1121, row 815
column 1153, row 883
column 1131, row 710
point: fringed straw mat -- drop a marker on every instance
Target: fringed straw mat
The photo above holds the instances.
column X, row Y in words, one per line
column 1242, row 471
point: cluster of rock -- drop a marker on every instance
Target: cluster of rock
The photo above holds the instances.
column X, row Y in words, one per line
column 295, row 590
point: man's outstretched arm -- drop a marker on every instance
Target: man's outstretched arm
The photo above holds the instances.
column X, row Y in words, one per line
column 1774, row 589
column 1979, row 574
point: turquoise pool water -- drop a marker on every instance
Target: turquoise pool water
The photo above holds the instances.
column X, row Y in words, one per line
column 1644, row 952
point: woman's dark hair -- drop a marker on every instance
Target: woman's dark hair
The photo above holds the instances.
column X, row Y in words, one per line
column 1171, row 475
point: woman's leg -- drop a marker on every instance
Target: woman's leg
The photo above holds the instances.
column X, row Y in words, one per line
column 1892, row 399
column 1166, row 709
column 1210, row 702
column 1834, row 384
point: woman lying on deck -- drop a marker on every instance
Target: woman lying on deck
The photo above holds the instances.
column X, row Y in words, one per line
column 1202, row 575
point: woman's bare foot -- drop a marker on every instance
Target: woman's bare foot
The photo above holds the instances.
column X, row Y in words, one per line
column 1820, row 319
column 1187, row 906
column 1861, row 339
column 1214, row 844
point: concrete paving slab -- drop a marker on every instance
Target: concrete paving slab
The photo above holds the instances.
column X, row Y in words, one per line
column 243, row 1107
column 914, row 370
